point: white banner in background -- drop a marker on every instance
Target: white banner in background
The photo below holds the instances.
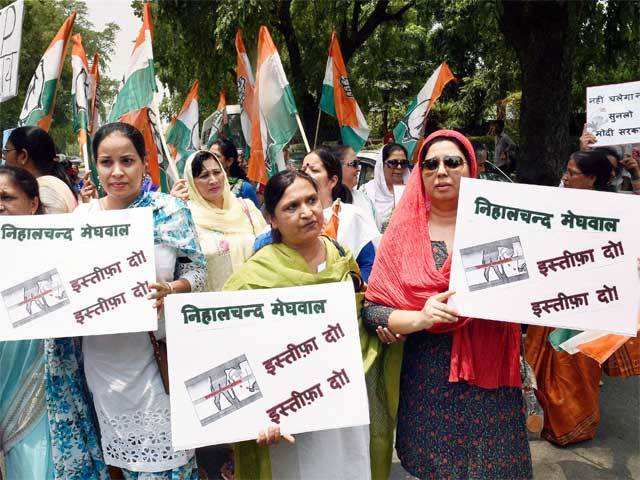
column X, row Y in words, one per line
column 10, row 40
column 74, row 275
column 547, row 256
column 613, row 113
column 242, row 361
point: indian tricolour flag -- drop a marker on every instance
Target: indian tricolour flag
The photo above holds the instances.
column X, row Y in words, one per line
column 411, row 128
column 81, row 91
column 40, row 99
column 94, row 101
column 246, row 88
column 214, row 123
column 596, row 345
column 183, row 135
column 276, row 123
column 338, row 101
column 140, row 81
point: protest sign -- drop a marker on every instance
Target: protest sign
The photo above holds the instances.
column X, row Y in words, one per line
column 547, row 256
column 240, row 362
column 10, row 39
column 613, row 113
column 76, row 275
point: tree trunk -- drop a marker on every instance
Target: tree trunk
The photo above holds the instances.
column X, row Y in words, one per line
column 544, row 37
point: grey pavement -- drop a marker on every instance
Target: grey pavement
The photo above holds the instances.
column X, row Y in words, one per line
column 613, row 455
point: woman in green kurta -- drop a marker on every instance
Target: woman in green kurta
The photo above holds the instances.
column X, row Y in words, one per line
column 300, row 256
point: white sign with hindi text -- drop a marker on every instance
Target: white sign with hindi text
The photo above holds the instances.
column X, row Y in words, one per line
column 547, row 256
column 10, row 39
column 76, row 275
column 613, row 113
column 240, row 362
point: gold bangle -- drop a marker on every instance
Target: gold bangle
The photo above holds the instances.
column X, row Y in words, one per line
column 170, row 288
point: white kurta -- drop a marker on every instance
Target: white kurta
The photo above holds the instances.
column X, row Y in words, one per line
column 128, row 394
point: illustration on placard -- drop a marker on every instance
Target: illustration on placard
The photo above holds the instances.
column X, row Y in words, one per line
column 34, row 298
column 492, row 264
column 223, row 389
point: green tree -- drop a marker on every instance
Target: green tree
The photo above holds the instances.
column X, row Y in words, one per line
column 42, row 19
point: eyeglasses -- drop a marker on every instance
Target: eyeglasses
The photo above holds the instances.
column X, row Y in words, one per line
column 353, row 164
column 572, row 173
column 396, row 163
column 7, row 150
column 449, row 161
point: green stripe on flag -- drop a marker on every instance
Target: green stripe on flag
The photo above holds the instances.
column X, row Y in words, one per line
column 351, row 138
column 45, row 105
column 136, row 93
column 327, row 102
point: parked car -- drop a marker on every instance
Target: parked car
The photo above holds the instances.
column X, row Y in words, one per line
column 368, row 159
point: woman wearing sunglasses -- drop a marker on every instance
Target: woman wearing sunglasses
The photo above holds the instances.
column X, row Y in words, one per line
column 350, row 173
column 460, row 410
column 391, row 169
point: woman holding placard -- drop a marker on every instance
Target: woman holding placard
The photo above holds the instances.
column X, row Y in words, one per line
column 45, row 423
column 460, row 410
column 125, row 372
column 300, row 256
column 227, row 225
column 33, row 149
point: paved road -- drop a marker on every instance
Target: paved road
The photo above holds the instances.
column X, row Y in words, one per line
column 613, row 455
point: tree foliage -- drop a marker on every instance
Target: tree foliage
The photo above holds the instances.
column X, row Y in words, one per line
column 42, row 19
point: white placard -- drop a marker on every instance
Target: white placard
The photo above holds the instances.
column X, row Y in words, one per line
column 10, row 39
column 242, row 361
column 613, row 113
column 547, row 256
column 76, row 275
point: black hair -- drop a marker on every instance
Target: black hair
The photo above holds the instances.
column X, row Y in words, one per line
column 610, row 151
column 41, row 149
column 389, row 148
column 478, row 147
column 334, row 169
column 197, row 164
column 228, row 150
column 498, row 126
column 454, row 140
column 594, row 163
column 274, row 191
column 25, row 181
column 124, row 129
column 340, row 152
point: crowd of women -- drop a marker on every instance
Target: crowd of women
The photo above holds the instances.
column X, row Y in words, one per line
column 449, row 386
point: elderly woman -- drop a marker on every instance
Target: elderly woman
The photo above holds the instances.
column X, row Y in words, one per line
column 299, row 256
column 126, row 381
column 33, row 149
column 391, row 169
column 569, row 385
column 460, row 411
column 45, row 422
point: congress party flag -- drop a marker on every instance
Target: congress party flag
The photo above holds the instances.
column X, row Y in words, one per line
column 597, row 345
column 411, row 127
column 183, row 135
column 214, row 123
column 276, row 123
column 338, row 101
column 95, row 121
column 140, row 81
column 246, row 88
column 40, row 99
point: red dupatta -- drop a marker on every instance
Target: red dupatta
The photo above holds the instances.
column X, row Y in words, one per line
column 483, row 353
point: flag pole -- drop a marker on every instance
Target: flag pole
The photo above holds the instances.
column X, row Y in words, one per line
column 167, row 153
column 315, row 139
column 304, row 136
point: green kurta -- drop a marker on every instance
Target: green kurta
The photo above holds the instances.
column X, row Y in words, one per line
column 277, row 266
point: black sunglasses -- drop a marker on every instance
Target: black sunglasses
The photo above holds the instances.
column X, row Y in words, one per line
column 397, row 163
column 450, row 161
column 353, row 163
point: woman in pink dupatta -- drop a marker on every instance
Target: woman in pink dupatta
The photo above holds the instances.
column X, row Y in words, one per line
column 460, row 411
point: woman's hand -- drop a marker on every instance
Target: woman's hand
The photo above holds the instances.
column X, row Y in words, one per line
column 88, row 190
column 272, row 436
column 631, row 164
column 181, row 190
column 162, row 289
column 386, row 336
column 587, row 139
column 437, row 311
